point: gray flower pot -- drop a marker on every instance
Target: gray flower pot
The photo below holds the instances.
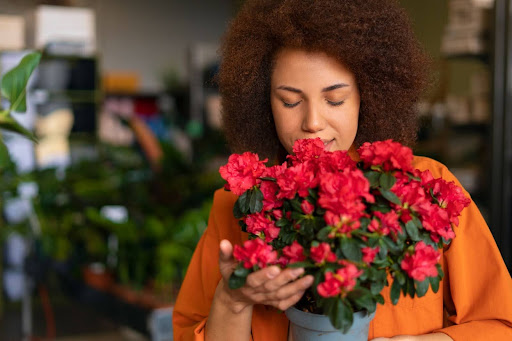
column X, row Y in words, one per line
column 306, row 326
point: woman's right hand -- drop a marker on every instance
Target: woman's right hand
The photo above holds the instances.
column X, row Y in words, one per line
column 269, row 286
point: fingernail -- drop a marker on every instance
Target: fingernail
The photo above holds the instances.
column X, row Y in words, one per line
column 297, row 272
column 273, row 272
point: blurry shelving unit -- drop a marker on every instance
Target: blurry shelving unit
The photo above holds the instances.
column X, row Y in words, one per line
column 467, row 124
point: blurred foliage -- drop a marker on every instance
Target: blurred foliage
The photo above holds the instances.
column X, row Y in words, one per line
column 167, row 213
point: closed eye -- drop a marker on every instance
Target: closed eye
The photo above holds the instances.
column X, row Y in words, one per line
column 335, row 104
column 291, row 105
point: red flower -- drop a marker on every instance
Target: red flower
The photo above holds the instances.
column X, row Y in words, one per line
column 387, row 154
column 296, row 180
column 269, row 190
column 260, row 225
column 274, row 171
column 388, row 223
column 343, row 281
column 294, row 253
column 306, row 149
column 242, row 172
column 343, row 193
column 369, row 254
column 330, row 287
column 450, row 197
column 422, row 263
column 322, row 253
column 307, row 207
column 342, row 224
column 255, row 252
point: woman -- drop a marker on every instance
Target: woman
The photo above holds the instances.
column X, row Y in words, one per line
column 347, row 71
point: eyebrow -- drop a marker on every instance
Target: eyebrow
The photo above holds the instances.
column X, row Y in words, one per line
column 326, row 89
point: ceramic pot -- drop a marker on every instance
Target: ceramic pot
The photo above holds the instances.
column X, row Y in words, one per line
column 306, row 326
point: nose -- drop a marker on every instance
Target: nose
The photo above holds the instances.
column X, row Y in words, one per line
column 314, row 120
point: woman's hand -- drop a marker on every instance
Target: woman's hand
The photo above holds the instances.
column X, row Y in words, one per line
column 270, row 286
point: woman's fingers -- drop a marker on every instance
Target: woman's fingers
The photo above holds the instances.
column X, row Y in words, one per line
column 258, row 278
column 282, row 279
column 226, row 261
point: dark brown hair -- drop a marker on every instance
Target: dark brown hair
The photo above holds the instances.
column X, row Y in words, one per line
column 373, row 38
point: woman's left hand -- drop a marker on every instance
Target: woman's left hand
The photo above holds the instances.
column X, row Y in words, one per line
column 426, row 337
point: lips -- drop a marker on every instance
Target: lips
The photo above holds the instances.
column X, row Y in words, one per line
column 328, row 144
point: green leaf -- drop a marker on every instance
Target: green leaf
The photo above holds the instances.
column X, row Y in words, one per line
column 400, row 277
column 380, row 299
column 7, row 122
column 241, row 271
column 256, row 202
column 341, row 316
column 373, row 178
column 236, row 282
column 422, row 287
column 243, row 201
column 387, row 180
column 296, row 205
column 14, row 82
column 434, row 282
column 282, row 222
column 236, row 210
column 301, row 265
column 440, row 272
column 4, row 155
column 395, row 292
column 412, row 230
column 351, row 250
column 390, row 196
column 363, row 298
column 376, row 287
column 323, row 234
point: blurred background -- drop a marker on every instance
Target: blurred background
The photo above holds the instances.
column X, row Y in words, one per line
column 100, row 218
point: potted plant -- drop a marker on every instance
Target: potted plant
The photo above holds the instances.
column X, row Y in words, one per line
column 355, row 226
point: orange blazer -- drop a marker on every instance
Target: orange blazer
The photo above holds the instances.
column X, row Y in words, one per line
column 474, row 301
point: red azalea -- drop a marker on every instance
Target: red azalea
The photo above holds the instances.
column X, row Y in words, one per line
column 436, row 219
column 322, row 253
column 369, row 254
column 387, row 154
column 388, row 223
column 307, row 207
column 343, row 224
column 294, row 253
column 269, row 190
column 306, row 149
column 274, row 171
column 296, row 180
column 348, row 275
column 450, row 196
column 422, row 263
column 343, row 192
column 255, row 252
column 331, row 162
column 261, row 225
column 242, row 172
column 330, row 287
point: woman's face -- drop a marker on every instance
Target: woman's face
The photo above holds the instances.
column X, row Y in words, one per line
column 313, row 95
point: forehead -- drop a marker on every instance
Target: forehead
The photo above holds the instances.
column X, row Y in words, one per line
column 291, row 64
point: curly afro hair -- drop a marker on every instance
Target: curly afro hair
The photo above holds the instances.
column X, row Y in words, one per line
column 373, row 38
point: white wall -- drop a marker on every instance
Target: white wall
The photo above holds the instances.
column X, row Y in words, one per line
column 148, row 36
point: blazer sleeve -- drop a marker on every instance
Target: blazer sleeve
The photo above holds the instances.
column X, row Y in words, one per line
column 198, row 287
column 477, row 285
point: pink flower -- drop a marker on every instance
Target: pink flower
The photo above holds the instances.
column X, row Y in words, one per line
column 307, row 207
column 388, row 223
column 255, row 252
column 388, row 154
column 242, row 172
column 369, row 254
column 422, row 263
column 259, row 224
column 294, row 253
column 322, row 253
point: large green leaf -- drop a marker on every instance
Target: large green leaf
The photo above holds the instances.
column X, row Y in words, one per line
column 9, row 123
column 14, row 82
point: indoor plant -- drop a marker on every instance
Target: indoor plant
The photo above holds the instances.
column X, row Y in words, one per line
column 348, row 223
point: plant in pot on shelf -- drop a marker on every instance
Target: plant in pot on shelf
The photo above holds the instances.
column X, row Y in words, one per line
column 355, row 226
